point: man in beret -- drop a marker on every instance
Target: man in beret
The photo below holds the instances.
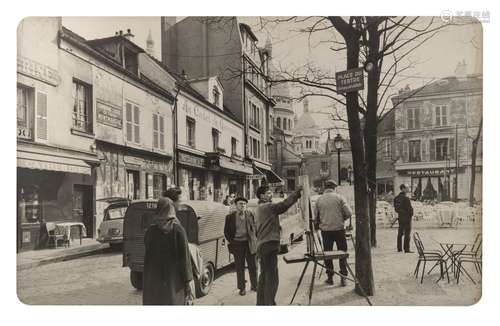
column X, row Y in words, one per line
column 331, row 211
column 239, row 230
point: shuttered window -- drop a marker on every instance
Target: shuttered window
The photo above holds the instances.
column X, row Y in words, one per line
column 132, row 117
column 41, row 116
column 158, row 131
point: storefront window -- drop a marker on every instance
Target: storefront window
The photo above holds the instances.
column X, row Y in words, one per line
column 159, row 185
column 133, row 184
column 29, row 205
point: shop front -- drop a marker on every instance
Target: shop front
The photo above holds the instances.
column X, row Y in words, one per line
column 130, row 173
column 53, row 185
column 193, row 175
column 263, row 175
column 229, row 175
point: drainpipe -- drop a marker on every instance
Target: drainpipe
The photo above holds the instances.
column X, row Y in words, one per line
column 175, row 160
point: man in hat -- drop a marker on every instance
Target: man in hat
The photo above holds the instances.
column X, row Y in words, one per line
column 239, row 230
column 331, row 211
column 402, row 206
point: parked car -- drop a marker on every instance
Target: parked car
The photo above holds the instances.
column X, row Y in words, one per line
column 111, row 228
column 291, row 222
column 204, row 225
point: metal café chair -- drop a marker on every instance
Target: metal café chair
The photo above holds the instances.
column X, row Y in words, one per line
column 428, row 256
column 477, row 261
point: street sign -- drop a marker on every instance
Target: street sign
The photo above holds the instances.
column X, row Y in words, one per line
column 350, row 80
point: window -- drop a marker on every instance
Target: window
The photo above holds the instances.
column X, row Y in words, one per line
column 308, row 144
column 215, row 139
column 234, row 146
column 82, row 106
column 284, row 123
column 414, row 150
column 132, row 117
column 413, row 118
column 25, row 109
column 159, row 185
column 133, row 185
column 324, row 166
column 387, row 148
column 158, row 131
column 254, row 116
column 441, row 115
column 442, row 149
column 289, row 124
column 255, row 148
column 278, row 123
column 216, row 95
column 191, row 129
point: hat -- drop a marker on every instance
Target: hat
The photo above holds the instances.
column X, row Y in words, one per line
column 237, row 199
column 330, row 183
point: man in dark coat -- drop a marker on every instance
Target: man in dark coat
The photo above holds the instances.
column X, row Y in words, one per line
column 402, row 206
column 167, row 261
column 268, row 241
column 239, row 231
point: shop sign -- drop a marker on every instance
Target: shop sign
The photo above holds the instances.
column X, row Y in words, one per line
column 436, row 172
column 133, row 160
column 192, row 160
column 255, row 177
column 237, row 166
column 23, row 132
column 350, row 80
column 37, row 70
column 109, row 115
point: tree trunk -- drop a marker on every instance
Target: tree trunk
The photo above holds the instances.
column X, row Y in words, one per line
column 473, row 165
column 370, row 132
column 363, row 259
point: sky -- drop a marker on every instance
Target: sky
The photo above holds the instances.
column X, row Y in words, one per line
column 292, row 48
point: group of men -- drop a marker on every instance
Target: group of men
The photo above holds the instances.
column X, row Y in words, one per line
column 258, row 235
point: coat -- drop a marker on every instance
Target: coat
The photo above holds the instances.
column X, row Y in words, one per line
column 331, row 210
column 402, row 206
column 167, row 265
column 230, row 230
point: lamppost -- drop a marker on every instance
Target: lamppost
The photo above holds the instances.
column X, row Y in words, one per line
column 338, row 142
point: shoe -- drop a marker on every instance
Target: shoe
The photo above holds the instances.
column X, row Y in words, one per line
column 399, row 250
column 243, row 292
column 254, row 288
column 329, row 281
column 343, row 281
column 408, row 252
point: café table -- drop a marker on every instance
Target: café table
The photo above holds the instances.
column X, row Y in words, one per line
column 65, row 229
column 450, row 250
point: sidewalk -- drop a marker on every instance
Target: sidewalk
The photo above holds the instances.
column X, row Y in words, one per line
column 34, row 258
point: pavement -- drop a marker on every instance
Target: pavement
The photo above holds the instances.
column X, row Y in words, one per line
column 34, row 258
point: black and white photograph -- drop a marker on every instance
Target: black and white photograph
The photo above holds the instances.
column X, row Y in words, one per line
column 250, row 160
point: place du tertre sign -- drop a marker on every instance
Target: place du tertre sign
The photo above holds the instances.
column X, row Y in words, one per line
column 349, row 80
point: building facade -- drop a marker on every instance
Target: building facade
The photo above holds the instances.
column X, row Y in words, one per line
column 226, row 48
column 434, row 129
column 306, row 133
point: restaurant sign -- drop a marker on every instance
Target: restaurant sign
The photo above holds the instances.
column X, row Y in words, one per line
column 109, row 115
column 349, row 80
column 432, row 172
column 192, row 160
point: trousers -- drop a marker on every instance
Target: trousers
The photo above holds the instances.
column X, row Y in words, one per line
column 404, row 229
column 329, row 238
column 241, row 253
column 268, row 277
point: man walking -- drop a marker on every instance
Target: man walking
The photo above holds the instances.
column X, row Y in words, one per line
column 268, row 241
column 331, row 211
column 402, row 205
column 239, row 231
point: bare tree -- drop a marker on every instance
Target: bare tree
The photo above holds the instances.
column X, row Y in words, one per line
column 475, row 143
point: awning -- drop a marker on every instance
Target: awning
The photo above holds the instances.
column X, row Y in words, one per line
column 61, row 162
column 271, row 177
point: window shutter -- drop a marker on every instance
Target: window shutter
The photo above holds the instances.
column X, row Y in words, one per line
column 417, row 118
column 405, row 119
column 451, row 145
column 137, row 139
column 425, row 145
column 155, row 130
column 432, row 149
column 405, row 152
column 437, row 115
column 162, row 135
column 128, row 117
column 41, row 115
column 444, row 113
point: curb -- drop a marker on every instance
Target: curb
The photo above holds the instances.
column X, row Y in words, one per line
column 63, row 257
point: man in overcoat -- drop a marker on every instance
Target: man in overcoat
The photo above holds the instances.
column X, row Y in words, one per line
column 402, row 206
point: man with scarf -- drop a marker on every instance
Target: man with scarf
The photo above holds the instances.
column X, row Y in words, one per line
column 268, row 241
column 167, row 262
column 239, row 230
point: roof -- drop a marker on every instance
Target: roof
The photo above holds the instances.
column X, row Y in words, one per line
column 306, row 126
column 443, row 86
column 87, row 46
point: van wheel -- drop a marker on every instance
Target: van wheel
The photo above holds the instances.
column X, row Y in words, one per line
column 136, row 279
column 283, row 248
column 203, row 284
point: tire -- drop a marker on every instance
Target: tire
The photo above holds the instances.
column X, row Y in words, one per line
column 204, row 283
column 136, row 279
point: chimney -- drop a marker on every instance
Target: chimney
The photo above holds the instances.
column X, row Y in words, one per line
column 129, row 35
column 461, row 71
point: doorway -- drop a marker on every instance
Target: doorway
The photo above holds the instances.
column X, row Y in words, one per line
column 83, row 210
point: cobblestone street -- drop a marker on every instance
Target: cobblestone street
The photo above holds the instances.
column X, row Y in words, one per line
column 100, row 279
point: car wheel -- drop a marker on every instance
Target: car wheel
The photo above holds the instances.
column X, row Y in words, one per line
column 203, row 284
column 136, row 279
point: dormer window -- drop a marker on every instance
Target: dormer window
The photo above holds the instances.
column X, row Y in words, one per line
column 216, row 96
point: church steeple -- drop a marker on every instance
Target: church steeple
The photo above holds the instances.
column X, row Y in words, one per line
column 150, row 45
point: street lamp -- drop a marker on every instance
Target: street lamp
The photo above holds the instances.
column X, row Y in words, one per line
column 338, row 142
